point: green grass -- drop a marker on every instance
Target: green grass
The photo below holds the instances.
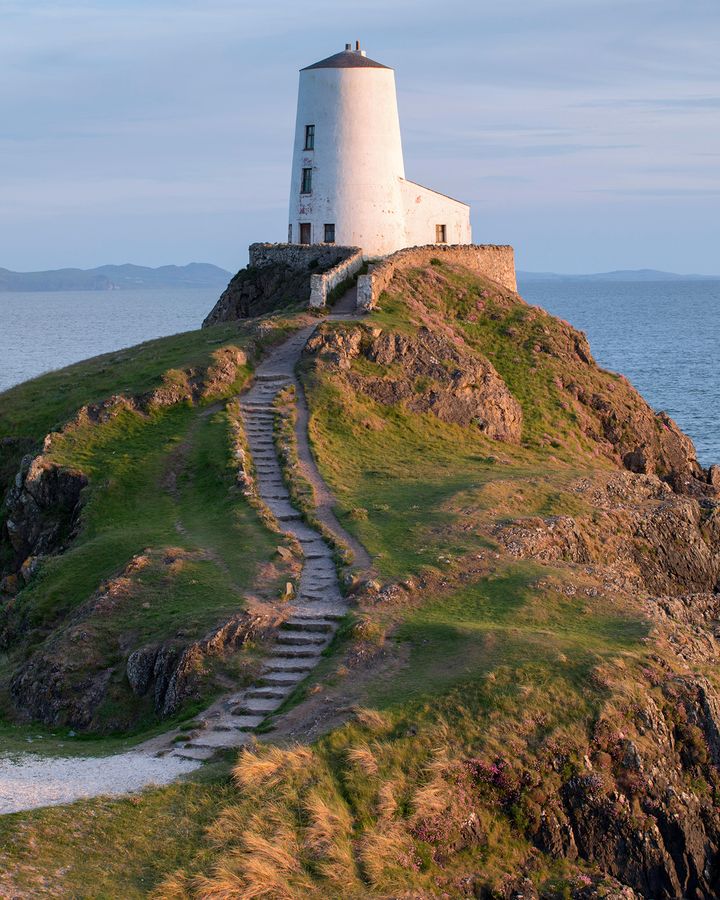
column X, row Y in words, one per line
column 485, row 658
column 156, row 483
column 504, row 620
column 406, row 484
column 109, row 848
column 32, row 409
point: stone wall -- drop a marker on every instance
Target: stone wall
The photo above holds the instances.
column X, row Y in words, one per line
column 490, row 260
column 322, row 285
column 299, row 256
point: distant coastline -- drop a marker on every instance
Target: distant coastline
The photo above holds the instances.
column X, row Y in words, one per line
column 618, row 275
column 116, row 278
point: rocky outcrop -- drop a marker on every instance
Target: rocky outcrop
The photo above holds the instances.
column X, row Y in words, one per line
column 258, row 290
column 279, row 277
column 647, row 538
column 173, row 673
column 43, row 510
column 632, row 812
column 60, row 686
column 426, row 372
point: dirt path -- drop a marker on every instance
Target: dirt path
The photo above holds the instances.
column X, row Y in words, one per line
column 31, row 781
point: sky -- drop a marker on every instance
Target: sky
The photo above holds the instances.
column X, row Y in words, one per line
column 584, row 132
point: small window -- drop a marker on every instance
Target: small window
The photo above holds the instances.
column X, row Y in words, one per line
column 330, row 234
column 441, row 234
column 306, row 187
column 290, row 233
column 305, row 234
column 309, row 137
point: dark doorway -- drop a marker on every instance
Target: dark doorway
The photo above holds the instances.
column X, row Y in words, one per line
column 305, row 233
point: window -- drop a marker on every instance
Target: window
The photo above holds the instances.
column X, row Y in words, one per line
column 330, row 234
column 305, row 234
column 290, row 233
column 309, row 137
column 441, row 234
column 306, row 186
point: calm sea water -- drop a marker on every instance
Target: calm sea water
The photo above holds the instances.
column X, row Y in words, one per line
column 43, row 331
column 664, row 336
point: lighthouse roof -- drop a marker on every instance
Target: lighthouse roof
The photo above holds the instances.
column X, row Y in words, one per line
column 347, row 59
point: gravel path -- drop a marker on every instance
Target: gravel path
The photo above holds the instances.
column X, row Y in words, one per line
column 32, row 781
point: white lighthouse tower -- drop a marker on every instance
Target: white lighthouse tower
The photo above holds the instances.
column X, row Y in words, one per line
column 348, row 177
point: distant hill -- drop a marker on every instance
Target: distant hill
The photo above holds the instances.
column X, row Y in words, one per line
column 109, row 278
column 618, row 275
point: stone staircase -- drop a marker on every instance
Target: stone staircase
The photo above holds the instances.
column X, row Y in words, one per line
column 319, row 604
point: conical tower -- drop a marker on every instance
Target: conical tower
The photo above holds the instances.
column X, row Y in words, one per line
column 348, row 176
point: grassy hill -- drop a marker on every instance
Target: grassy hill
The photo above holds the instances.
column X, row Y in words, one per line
column 524, row 700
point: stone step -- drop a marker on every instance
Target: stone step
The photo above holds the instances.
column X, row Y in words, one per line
column 254, row 707
column 300, row 639
column 321, row 568
column 279, row 650
column 321, row 553
column 282, row 506
column 286, row 664
column 330, row 594
column 215, row 740
column 200, row 754
column 273, row 376
column 305, row 532
column 246, row 723
column 278, row 691
column 319, row 580
column 318, row 611
column 298, row 623
column 285, row 678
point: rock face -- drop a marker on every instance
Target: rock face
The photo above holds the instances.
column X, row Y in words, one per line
column 43, row 510
column 426, row 373
column 173, row 672
column 258, row 290
column 647, row 538
column 60, row 686
column 631, row 814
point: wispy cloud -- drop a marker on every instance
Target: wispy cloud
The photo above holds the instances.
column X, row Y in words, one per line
column 554, row 118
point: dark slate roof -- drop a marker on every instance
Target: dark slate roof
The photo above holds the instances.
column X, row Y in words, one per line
column 346, row 59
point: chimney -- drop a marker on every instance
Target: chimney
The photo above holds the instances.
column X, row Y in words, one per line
column 348, row 46
column 357, row 45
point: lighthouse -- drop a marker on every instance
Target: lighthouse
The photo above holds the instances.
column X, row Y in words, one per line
column 348, row 181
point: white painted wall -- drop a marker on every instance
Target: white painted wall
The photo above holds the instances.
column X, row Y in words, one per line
column 424, row 209
column 358, row 180
column 357, row 161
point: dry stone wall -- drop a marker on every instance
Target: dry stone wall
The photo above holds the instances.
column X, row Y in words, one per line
column 493, row 261
column 299, row 256
column 322, row 285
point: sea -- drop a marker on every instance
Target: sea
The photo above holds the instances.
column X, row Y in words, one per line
column 44, row 331
column 664, row 336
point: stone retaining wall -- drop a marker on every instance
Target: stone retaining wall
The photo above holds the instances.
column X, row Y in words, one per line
column 493, row 261
column 322, row 285
column 299, row 256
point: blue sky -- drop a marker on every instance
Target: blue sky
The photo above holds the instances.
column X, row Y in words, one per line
column 585, row 133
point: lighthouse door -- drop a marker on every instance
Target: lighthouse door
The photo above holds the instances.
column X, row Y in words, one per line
column 305, row 233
